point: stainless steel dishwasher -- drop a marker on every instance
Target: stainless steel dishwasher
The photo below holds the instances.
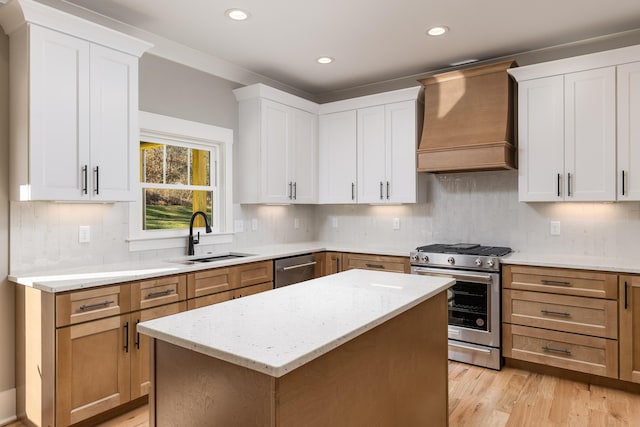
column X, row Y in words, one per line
column 294, row 269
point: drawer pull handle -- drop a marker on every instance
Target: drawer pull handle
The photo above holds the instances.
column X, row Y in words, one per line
column 555, row 313
column 137, row 336
column 160, row 293
column 555, row 282
column 556, row 350
column 96, row 305
column 375, row 266
column 126, row 337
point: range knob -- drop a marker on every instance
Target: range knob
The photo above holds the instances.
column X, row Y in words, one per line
column 491, row 262
column 451, row 260
column 424, row 259
column 478, row 262
column 413, row 257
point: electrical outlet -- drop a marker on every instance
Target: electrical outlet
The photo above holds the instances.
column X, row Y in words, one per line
column 254, row 224
column 334, row 222
column 554, row 228
column 238, row 226
column 84, row 234
column 396, row 223
column 296, row 223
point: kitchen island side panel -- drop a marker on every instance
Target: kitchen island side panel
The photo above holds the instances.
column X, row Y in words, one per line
column 394, row 374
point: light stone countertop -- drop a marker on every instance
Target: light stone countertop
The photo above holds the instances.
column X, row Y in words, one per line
column 106, row 274
column 617, row 265
column 277, row 331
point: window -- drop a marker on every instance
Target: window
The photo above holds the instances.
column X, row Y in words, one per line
column 185, row 167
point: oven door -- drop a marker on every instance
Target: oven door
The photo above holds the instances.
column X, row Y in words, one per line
column 474, row 305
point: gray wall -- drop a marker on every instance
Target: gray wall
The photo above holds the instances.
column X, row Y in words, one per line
column 7, row 342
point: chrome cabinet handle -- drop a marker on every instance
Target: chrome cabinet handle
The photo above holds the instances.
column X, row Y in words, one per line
column 97, row 186
column 85, row 184
column 96, row 305
column 160, row 293
column 555, row 313
column 337, row 265
column 568, row 184
column 295, row 190
column 353, row 191
column 556, row 350
column 558, row 185
column 290, row 190
column 387, row 190
column 381, row 185
column 555, row 282
column 623, row 182
column 626, row 295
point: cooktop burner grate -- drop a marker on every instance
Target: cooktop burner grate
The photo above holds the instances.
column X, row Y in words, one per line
column 465, row 249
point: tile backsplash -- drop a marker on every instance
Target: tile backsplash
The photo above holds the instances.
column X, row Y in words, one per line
column 480, row 207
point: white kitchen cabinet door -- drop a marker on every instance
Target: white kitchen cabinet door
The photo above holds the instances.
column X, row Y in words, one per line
column 628, row 131
column 114, row 124
column 274, row 146
column 541, row 139
column 400, row 151
column 303, row 157
column 590, row 135
column 58, row 93
column 337, row 157
column 371, row 150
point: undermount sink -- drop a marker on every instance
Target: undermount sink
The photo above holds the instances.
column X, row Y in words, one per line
column 215, row 257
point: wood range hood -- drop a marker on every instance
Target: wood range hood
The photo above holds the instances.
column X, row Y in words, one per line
column 468, row 120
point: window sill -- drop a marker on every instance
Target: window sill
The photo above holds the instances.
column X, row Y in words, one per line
column 169, row 242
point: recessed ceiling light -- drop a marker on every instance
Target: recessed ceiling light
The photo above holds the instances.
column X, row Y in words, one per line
column 237, row 14
column 324, row 60
column 437, row 31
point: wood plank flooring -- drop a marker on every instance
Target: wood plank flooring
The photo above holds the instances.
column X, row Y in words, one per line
column 511, row 397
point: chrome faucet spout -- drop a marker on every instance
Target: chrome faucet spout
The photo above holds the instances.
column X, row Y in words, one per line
column 194, row 241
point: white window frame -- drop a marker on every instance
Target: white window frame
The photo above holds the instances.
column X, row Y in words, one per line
column 173, row 131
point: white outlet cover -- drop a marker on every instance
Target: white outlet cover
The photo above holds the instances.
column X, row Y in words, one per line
column 554, row 228
column 334, row 222
column 238, row 226
column 396, row 223
column 84, row 234
column 254, row 224
column 296, row 223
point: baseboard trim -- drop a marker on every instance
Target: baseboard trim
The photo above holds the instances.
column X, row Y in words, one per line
column 7, row 406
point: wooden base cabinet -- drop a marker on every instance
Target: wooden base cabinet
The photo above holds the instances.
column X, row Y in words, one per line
column 376, row 262
column 562, row 318
column 630, row 328
column 78, row 353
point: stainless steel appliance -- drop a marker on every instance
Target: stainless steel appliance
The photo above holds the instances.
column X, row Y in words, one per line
column 294, row 269
column 474, row 301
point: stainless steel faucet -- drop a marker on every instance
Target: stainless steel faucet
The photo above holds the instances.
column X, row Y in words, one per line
column 192, row 241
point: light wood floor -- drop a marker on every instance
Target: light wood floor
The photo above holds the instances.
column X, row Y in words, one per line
column 481, row 397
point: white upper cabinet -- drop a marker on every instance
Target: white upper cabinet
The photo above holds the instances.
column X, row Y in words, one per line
column 629, row 131
column 590, row 135
column 577, row 140
column 337, row 157
column 277, row 146
column 74, row 103
column 368, row 149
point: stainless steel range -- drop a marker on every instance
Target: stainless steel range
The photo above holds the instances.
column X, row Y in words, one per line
column 474, row 301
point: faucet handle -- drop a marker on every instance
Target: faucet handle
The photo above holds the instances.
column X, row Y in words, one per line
column 197, row 239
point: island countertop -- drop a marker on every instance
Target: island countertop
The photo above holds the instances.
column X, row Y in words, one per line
column 277, row 331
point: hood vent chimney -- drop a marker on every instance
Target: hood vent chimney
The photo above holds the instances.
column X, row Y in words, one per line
column 468, row 121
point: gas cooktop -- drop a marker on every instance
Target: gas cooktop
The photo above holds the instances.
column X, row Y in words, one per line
column 460, row 255
column 465, row 249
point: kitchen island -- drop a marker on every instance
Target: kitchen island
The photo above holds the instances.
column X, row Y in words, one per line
column 354, row 348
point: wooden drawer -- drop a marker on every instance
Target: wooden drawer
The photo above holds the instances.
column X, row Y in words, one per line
column 160, row 291
column 252, row 274
column 209, row 282
column 561, row 281
column 91, row 304
column 598, row 356
column 589, row 316
column 376, row 262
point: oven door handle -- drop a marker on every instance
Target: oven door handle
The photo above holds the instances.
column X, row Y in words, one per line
column 467, row 347
column 480, row 278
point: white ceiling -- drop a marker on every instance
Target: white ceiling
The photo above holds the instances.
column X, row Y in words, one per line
column 371, row 40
